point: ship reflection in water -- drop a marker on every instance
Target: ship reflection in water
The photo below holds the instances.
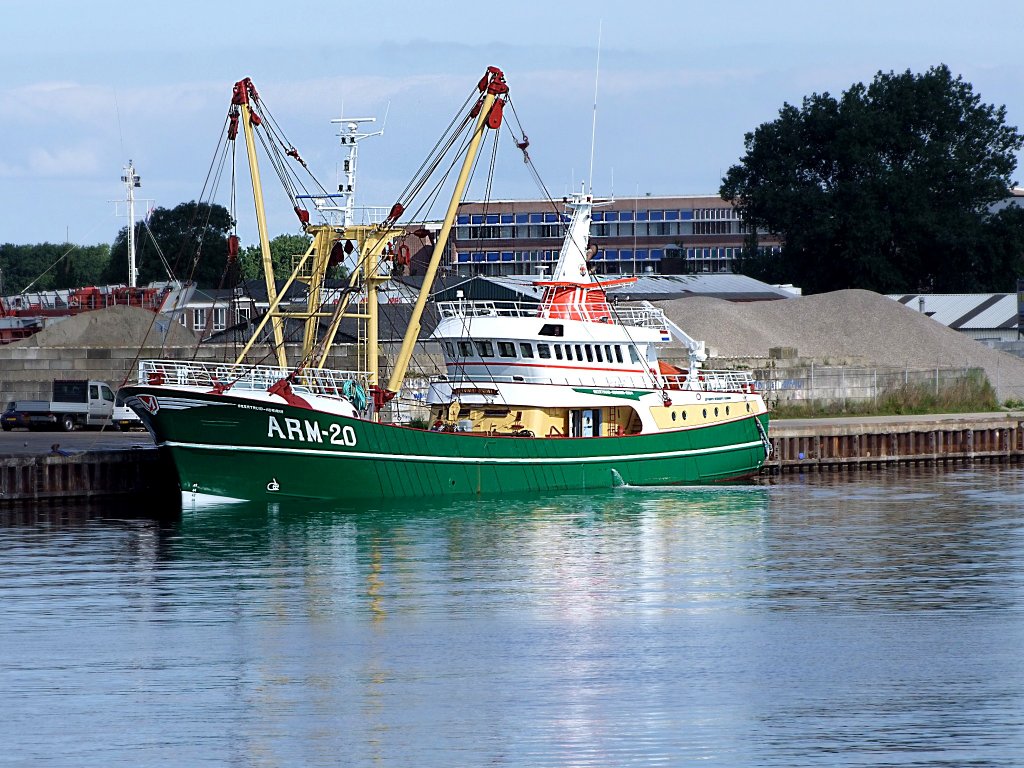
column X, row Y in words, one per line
column 847, row 622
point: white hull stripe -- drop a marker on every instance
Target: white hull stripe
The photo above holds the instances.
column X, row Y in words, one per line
column 385, row 457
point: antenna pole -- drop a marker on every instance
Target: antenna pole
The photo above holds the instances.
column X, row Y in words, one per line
column 131, row 181
column 593, row 125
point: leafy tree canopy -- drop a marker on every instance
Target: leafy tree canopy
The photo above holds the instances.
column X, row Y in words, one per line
column 190, row 240
column 48, row 266
column 886, row 188
column 283, row 249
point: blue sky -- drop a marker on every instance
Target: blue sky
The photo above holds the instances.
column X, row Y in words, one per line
column 87, row 85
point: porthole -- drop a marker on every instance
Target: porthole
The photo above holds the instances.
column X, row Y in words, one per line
column 748, row 407
column 727, row 410
column 673, row 415
column 716, row 411
column 684, row 415
column 705, row 412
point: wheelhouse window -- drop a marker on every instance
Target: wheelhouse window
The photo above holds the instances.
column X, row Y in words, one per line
column 449, row 348
column 597, row 353
column 465, row 349
column 633, row 356
column 544, row 351
column 579, row 352
column 485, row 349
column 618, row 353
column 525, row 349
column 568, row 351
column 558, row 351
column 608, row 352
column 552, row 329
column 590, row 355
column 506, row 349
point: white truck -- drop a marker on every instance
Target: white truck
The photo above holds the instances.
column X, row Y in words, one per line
column 75, row 403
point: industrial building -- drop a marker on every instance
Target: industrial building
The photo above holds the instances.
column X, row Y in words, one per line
column 634, row 235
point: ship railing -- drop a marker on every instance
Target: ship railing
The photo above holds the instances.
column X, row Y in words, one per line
column 646, row 317
column 190, row 373
column 487, row 309
column 632, row 381
column 707, row 381
column 713, row 381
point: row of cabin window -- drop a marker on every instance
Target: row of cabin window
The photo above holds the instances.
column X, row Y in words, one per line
column 606, row 353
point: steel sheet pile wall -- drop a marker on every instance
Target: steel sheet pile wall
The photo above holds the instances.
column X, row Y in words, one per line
column 825, row 446
column 93, row 474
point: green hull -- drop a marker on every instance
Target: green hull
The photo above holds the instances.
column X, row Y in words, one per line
column 228, row 447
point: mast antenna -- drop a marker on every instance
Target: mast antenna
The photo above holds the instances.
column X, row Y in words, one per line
column 593, row 125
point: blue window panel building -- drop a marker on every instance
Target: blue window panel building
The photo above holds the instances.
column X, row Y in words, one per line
column 522, row 218
column 686, row 215
column 671, row 215
column 657, row 215
column 462, row 219
column 508, row 256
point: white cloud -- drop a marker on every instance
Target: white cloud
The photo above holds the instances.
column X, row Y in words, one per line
column 43, row 161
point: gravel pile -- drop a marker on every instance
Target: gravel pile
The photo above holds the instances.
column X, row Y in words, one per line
column 111, row 327
column 859, row 327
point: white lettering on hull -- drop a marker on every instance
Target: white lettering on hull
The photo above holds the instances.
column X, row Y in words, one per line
column 310, row 431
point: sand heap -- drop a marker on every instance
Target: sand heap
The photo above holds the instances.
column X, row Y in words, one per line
column 853, row 324
column 112, row 327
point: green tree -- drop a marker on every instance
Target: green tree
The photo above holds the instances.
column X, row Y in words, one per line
column 190, row 240
column 283, row 249
column 888, row 188
column 46, row 266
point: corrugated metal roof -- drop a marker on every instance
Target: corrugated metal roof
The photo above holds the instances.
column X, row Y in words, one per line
column 965, row 311
column 657, row 287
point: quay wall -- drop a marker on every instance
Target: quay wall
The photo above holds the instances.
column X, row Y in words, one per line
column 798, row 445
column 146, row 474
column 829, row 445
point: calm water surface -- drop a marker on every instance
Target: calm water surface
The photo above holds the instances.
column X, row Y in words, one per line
column 826, row 620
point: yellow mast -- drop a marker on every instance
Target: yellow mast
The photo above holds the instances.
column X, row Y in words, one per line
column 243, row 90
column 491, row 90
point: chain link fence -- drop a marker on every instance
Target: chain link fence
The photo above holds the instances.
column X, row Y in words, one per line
column 829, row 384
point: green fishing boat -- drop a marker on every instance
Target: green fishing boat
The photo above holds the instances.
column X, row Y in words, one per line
column 566, row 394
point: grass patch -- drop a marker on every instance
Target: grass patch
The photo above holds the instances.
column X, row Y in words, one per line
column 972, row 393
